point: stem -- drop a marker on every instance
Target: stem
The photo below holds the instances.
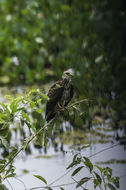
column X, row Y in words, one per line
column 10, row 184
column 22, row 148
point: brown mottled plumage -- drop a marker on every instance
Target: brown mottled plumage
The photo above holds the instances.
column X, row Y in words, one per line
column 60, row 95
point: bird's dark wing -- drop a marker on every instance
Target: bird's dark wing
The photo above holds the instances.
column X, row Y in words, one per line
column 55, row 93
column 71, row 94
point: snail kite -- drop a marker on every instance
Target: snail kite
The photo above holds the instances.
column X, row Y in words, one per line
column 59, row 94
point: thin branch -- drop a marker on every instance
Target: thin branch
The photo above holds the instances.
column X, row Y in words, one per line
column 53, row 186
column 78, row 102
column 9, row 184
column 77, row 182
column 105, row 149
column 21, row 182
column 61, row 185
column 122, row 176
column 22, row 147
column 62, row 176
column 33, row 137
column 88, row 157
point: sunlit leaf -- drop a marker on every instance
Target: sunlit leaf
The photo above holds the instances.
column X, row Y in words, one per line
column 5, row 108
column 32, row 104
column 4, row 141
column 8, row 97
column 98, row 59
column 25, row 116
column 39, row 100
column 58, row 86
column 45, row 96
column 39, row 110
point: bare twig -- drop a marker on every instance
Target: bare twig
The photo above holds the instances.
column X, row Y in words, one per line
column 105, row 149
column 53, row 186
column 9, row 184
column 22, row 147
column 21, row 182
column 60, row 177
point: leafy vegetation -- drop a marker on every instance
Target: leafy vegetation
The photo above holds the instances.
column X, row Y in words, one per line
column 25, row 109
column 40, row 39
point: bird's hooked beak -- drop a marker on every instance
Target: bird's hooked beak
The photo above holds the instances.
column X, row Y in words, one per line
column 68, row 73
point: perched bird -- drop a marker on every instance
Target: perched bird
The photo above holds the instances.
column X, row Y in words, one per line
column 59, row 94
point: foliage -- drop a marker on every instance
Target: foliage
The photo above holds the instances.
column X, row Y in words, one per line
column 21, row 109
column 25, row 109
column 40, row 39
column 99, row 177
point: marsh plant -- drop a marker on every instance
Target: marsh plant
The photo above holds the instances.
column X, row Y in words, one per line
column 28, row 112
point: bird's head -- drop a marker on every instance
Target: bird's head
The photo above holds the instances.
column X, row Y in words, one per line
column 67, row 74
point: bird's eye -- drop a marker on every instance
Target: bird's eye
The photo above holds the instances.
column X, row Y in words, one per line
column 68, row 74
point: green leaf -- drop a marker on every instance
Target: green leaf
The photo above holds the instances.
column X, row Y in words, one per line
column 11, row 175
column 11, row 170
column 25, row 116
column 27, row 123
column 39, row 100
column 39, row 111
column 33, row 128
column 100, row 169
column 5, row 108
column 2, row 161
column 32, row 91
column 111, row 186
column 95, row 183
column 8, row 97
column 75, row 156
column 45, row 96
column 46, row 141
column 82, row 181
column 58, row 86
column 65, row 8
column 77, row 170
column 88, row 163
column 61, row 188
column 4, row 141
column 41, row 178
column 32, row 104
column 115, row 181
column 12, row 154
column 3, row 187
column 84, row 146
column 74, row 163
column 98, row 177
column 49, row 188
column 99, row 59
